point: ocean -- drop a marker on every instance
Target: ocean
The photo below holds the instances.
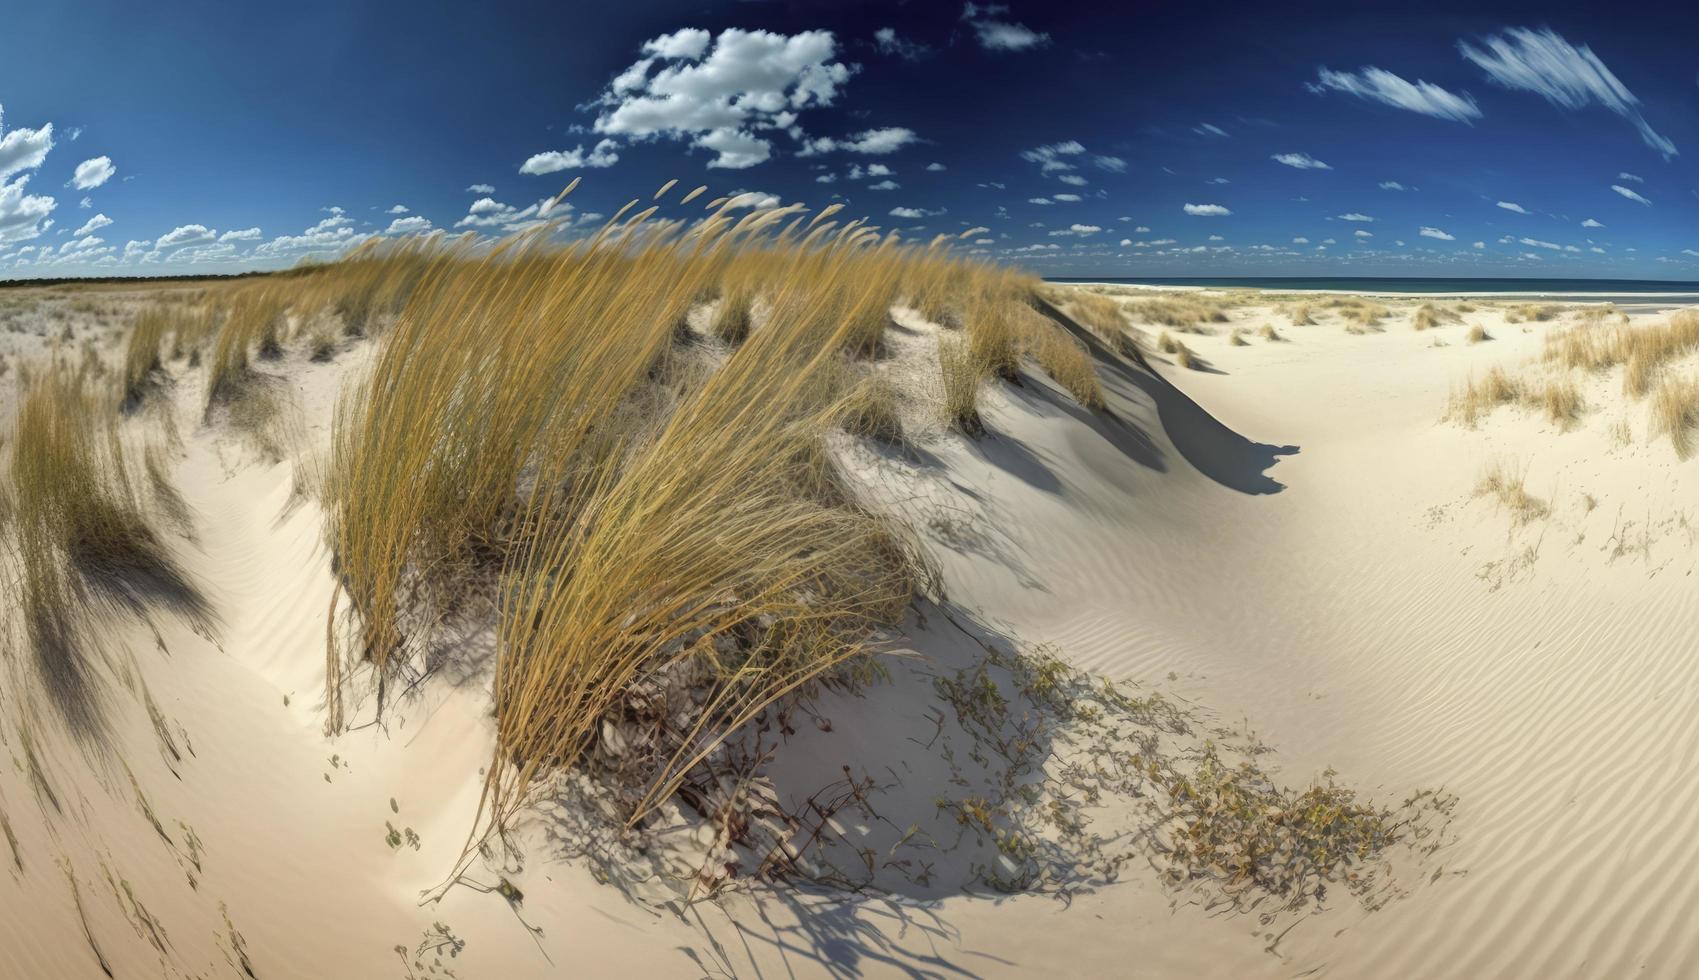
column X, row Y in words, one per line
column 1635, row 292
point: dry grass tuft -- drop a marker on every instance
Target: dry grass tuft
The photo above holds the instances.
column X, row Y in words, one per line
column 1503, row 481
column 1559, row 399
column 142, row 355
column 1065, row 360
column 1237, row 338
column 1675, row 412
column 1478, row 398
column 1478, row 333
column 1269, row 333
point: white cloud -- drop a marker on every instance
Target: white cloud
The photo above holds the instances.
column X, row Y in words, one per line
column 1625, row 175
column 1051, row 157
column 397, row 209
column 1302, row 161
column 1300, row 241
column 185, row 235
column 998, row 35
column 1631, row 195
column 886, row 41
column 86, row 202
column 1074, row 179
column 1380, row 85
column 1443, row 236
column 754, row 200
column 1070, row 198
column 95, row 223
column 487, row 212
column 241, row 235
column 884, row 185
column 935, row 167
column 1039, row 200
column 1080, row 229
column 721, row 93
column 1592, row 223
column 1479, row 245
column 1114, row 165
column 1141, row 230
column 1207, row 210
column 480, row 189
column 1536, row 243
column 92, row 173
column 1544, row 63
column 1392, row 185
column 23, row 149
column 888, row 139
column 1360, row 233
column 417, row 224
column 1218, row 180
column 1355, row 216
column 1209, row 129
column 602, row 155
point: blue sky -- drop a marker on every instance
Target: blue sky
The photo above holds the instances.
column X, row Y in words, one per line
column 1080, row 139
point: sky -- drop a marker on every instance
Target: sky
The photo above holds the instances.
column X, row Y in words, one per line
column 1073, row 139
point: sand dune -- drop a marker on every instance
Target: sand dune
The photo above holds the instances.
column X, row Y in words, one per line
column 1287, row 542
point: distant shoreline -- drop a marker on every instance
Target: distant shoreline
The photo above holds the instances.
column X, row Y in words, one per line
column 1576, row 290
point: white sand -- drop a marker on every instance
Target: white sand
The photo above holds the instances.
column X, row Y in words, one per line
column 1289, row 540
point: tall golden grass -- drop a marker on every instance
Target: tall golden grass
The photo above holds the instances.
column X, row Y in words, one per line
column 641, row 512
column 84, row 519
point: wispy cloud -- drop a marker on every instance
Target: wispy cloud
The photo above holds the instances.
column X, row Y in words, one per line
column 1536, row 243
column 1438, row 233
column 1209, row 129
column 1513, row 206
column 1380, row 85
column 1355, row 216
column 1625, row 175
column 1392, row 185
column 1544, row 63
column 1630, row 194
column 1302, row 161
column 1207, row 210
column 887, row 41
column 1001, row 35
column 1592, row 223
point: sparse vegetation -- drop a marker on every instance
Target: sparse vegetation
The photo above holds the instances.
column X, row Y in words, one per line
column 1503, row 481
column 1675, row 412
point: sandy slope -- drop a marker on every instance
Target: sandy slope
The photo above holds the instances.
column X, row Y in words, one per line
column 1289, row 539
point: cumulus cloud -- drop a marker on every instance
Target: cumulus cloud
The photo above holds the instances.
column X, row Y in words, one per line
column 397, row 209
column 602, row 155
column 415, row 225
column 935, row 167
column 1207, row 210
column 1392, row 185
column 1302, row 161
column 93, row 224
column 487, row 212
column 480, row 189
column 1355, row 216
column 240, row 235
column 1631, row 195
column 1513, row 206
column 722, row 93
column 1066, row 197
column 1380, row 85
column 1592, row 223
column 1544, row 63
column 185, row 235
column 1443, row 236
column 1300, row 241
column 912, row 213
column 884, row 185
column 92, row 173
column 23, row 149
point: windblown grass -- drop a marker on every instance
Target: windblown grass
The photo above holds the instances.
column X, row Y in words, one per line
column 1675, row 413
column 142, row 356
column 86, row 536
column 1065, row 360
column 665, row 560
column 1478, row 398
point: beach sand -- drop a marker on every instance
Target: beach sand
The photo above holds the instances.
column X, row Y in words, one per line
column 1286, row 538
